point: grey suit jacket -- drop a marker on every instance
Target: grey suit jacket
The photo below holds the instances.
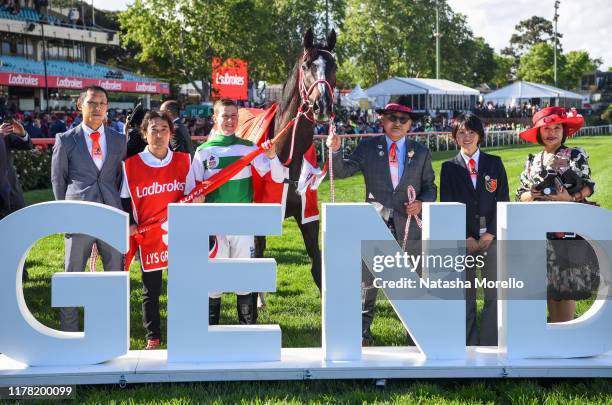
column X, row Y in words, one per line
column 371, row 158
column 75, row 176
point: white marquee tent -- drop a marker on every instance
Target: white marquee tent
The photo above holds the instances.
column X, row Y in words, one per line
column 426, row 94
column 358, row 98
column 520, row 91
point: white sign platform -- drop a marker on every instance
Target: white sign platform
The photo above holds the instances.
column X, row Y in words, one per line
column 298, row 364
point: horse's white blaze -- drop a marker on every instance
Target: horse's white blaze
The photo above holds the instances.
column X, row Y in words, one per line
column 320, row 63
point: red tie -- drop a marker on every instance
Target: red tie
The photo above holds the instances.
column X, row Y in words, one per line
column 473, row 171
column 393, row 165
column 96, row 149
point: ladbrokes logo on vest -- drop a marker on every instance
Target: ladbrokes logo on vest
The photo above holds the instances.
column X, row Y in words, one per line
column 157, row 188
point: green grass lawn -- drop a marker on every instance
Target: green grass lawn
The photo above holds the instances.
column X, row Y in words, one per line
column 296, row 308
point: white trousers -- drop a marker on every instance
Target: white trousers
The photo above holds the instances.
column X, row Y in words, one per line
column 234, row 247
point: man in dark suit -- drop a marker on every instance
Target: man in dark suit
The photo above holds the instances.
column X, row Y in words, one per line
column 86, row 166
column 15, row 138
column 58, row 126
column 5, row 186
column 390, row 163
column 181, row 139
column 479, row 181
column 32, row 130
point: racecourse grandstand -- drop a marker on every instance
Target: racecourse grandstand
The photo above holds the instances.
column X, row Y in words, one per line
column 26, row 14
column 46, row 57
column 65, row 68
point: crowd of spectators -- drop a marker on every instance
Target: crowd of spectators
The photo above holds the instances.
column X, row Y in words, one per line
column 47, row 125
column 355, row 123
column 505, row 126
column 199, row 126
column 490, row 110
column 15, row 6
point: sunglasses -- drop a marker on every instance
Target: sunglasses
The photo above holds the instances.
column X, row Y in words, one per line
column 395, row 118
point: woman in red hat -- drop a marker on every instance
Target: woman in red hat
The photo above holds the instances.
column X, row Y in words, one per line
column 558, row 173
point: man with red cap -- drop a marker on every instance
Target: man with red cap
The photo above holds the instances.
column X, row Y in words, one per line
column 393, row 167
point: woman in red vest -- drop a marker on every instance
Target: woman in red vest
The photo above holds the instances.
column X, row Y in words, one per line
column 152, row 179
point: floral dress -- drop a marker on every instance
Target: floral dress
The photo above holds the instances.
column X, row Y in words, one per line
column 572, row 268
column 538, row 165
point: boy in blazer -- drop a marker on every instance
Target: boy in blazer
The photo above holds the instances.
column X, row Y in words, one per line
column 390, row 163
column 479, row 181
column 86, row 166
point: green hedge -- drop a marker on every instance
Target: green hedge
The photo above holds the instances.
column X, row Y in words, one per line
column 33, row 168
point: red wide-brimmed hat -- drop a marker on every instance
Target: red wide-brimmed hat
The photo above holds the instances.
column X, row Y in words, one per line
column 400, row 104
column 552, row 116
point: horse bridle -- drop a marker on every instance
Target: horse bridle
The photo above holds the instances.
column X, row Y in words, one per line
column 306, row 107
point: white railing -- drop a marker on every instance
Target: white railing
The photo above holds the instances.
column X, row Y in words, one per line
column 596, row 130
column 441, row 141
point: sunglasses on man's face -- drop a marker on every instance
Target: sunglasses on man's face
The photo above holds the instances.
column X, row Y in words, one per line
column 401, row 118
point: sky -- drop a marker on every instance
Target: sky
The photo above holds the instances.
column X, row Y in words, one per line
column 585, row 24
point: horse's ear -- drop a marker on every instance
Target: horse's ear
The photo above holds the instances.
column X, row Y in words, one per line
column 331, row 40
column 308, row 39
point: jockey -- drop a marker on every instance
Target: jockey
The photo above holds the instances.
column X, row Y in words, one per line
column 219, row 151
column 151, row 180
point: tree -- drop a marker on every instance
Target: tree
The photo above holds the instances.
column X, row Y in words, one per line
column 578, row 64
column 503, row 70
column 372, row 46
column 482, row 63
column 283, row 32
column 182, row 40
column 537, row 65
column 396, row 38
column 529, row 32
column 607, row 114
column 178, row 39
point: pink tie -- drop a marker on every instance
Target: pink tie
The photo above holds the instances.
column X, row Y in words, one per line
column 393, row 165
column 96, row 149
column 473, row 171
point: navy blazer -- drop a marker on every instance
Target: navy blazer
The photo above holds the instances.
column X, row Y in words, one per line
column 371, row 158
column 491, row 187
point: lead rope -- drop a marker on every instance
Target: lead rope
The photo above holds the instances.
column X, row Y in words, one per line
column 93, row 258
column 330, row 166
column 411, row 199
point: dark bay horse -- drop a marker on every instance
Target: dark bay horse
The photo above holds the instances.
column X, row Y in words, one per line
column 307, row 94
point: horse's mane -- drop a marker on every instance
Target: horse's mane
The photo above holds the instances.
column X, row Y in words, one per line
column 289, row 88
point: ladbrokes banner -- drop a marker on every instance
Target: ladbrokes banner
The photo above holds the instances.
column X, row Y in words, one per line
column 230, row 79
column 60, row 82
